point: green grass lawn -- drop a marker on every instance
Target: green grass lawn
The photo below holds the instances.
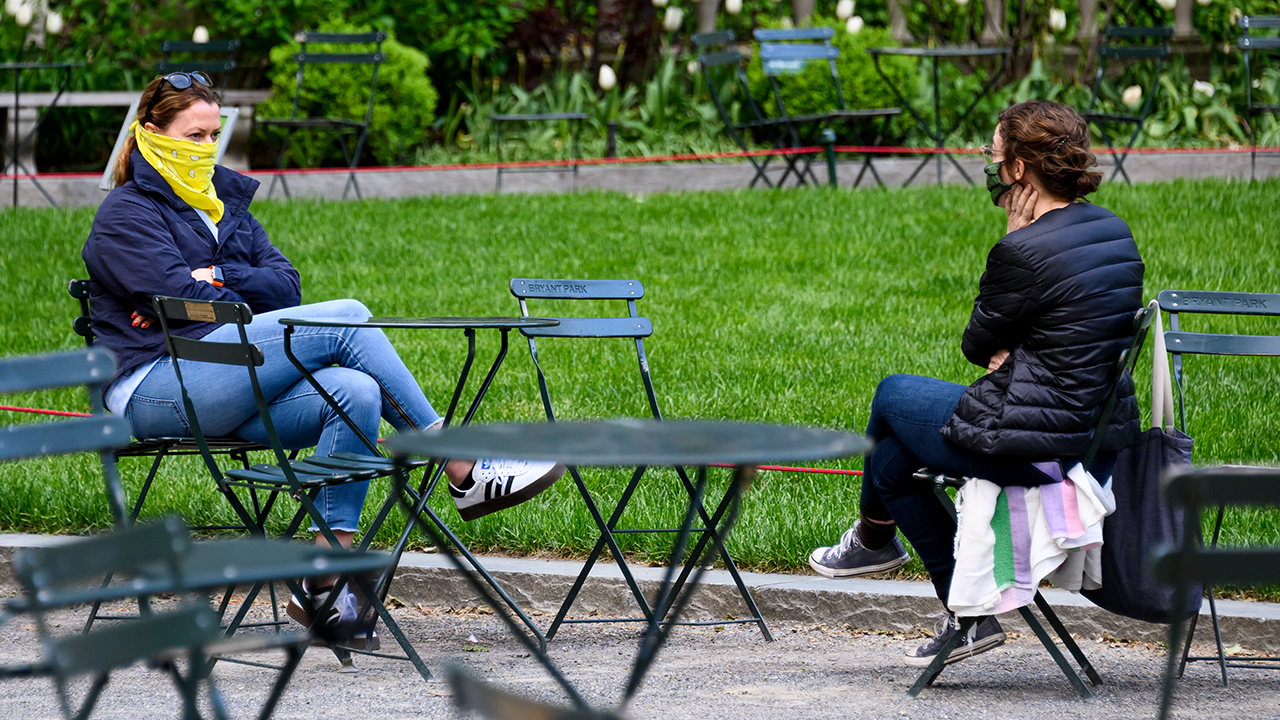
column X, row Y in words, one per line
column 783, row 307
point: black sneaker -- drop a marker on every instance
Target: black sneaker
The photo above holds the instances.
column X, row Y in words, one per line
column 984, row 636
column 849, row 558
column 341, row 624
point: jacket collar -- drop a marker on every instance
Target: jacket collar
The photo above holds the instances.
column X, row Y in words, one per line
column 234, row 190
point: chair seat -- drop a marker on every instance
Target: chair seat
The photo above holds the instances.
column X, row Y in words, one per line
column 1263, row 109
column 311, row 123
column 837, row 115
column 308, row 475
column 150, row 446
column 1110, row 118
column 354, row 462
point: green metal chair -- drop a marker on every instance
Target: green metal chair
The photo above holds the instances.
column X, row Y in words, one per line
column 574, row 118
column 1124, row 369
column 630, row 326
column 1250, row 44
column 1121, row 43
column 789, row 52
column 341, row 126
column 1191, row 564
column 1177, row 303
column 300, row 480
column 224, row 66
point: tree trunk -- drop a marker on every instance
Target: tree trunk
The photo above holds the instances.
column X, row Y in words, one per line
column 993, row 23
column 802, row 12
column 1088, row 23
column 707, row 11
column 1182, row 28
column 898, row 21
column 607, row 35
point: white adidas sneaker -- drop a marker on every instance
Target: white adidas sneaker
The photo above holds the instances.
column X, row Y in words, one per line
column 500, row 484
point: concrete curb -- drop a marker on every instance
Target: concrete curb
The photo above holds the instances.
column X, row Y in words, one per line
column 539, row 586
column 671, row 177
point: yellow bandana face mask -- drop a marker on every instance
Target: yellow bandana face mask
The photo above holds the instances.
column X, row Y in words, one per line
column 186, row 165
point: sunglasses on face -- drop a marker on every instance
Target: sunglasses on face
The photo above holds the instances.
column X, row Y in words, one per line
column 180, row 81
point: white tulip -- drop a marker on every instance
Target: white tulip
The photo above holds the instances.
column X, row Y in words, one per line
column 853, row 25
column 786, row 24
column 1202, row 87
column 608, row 79
column 1235, row 15
column 1132, row 96
column 23, row 16
column 659, row 3
column 733, row 7
column 1167, row 4
column 53, row 23
column 200, row 35
column 844, row 9
column 1204, row 3
column 11, row 6
column 672, row 19
column 692, row 67
column 1057, row 20
column 962, row 3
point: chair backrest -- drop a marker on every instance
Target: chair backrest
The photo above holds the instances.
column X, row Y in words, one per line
column 1251, row 43
column 733, row 63
column 1133, row 43
column 789, row 52
column 631, row 325
column 81, row 290
column 242, row 353
column 304, row 58
column 1207, row 302
column 223, row 66
column 102, row 434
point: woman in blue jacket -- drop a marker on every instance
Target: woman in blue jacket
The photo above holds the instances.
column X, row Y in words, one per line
column 178, row 225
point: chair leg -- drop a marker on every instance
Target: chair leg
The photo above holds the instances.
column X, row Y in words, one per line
column 1217, row 638
column 282, row 681
column 1056, row 654
column 351, row 167
column 280, row 161
column 935, row 668
column 1069, row 642
column 91, row 699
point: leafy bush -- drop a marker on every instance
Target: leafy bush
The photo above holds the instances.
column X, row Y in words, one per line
column 812, row 90
column 404, row 103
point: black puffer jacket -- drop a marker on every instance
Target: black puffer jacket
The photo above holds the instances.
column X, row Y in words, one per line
column 1060, row 295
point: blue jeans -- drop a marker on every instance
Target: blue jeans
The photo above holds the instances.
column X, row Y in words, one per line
column 353, row 365
column 907, row 414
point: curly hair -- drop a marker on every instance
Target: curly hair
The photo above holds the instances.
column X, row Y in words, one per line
column 1054, row 140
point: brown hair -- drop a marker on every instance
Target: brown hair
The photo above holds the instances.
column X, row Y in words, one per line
column 169, row 102
column 1054, row 140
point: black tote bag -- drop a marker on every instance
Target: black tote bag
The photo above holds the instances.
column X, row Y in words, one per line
column 1142, row 521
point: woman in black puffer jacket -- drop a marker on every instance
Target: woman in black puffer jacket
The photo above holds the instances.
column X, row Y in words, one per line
column 1054, row 310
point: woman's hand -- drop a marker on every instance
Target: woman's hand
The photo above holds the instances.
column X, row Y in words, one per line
column 206, row 274
column 140, row 321
column 1020, row 204
column 997, row 360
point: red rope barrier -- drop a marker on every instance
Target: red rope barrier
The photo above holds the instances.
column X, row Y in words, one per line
column 41, row 411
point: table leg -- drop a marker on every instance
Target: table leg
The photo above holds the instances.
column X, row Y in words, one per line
column 288, row 352
column 920, row 121
column 937, row 117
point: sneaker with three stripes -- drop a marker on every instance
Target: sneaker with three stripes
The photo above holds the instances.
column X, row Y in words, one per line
column 495, row 485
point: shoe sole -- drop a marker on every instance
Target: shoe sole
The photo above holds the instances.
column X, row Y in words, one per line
column 990, row 642
column 837, row 573
column 298, row 614
column 527, row 492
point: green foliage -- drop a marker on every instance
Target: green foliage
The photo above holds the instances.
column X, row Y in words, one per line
column 452, row 32
column 404, row 102
column 813, row 92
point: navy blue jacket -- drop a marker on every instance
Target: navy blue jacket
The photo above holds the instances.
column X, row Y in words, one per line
column 1060, row 295
column 146, row 241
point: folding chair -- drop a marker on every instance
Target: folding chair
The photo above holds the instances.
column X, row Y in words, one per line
column 1124, row 369
column 576, row 118
column 301, row 480
column 341, row 126
column 1176, row 302
column 636, row 328
column 1190, row 564
column 223, row 67
column 153, row 557
column 774, row 130
column 1137, row 47
column 789, row 52
column 1251, row 44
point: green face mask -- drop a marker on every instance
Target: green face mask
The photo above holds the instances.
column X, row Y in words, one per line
column 995, row 185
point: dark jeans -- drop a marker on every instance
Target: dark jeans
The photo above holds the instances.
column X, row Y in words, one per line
column 906, row 415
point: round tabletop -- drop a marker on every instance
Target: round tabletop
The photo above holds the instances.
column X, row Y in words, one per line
column 40, row 65
column 426, row 323
column 634, row 442
column 944, row 51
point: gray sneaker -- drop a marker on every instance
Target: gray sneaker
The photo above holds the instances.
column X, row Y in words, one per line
column 984, row 636
column 849, row 558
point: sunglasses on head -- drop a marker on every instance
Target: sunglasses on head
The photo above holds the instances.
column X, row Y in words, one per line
column 180, row 81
